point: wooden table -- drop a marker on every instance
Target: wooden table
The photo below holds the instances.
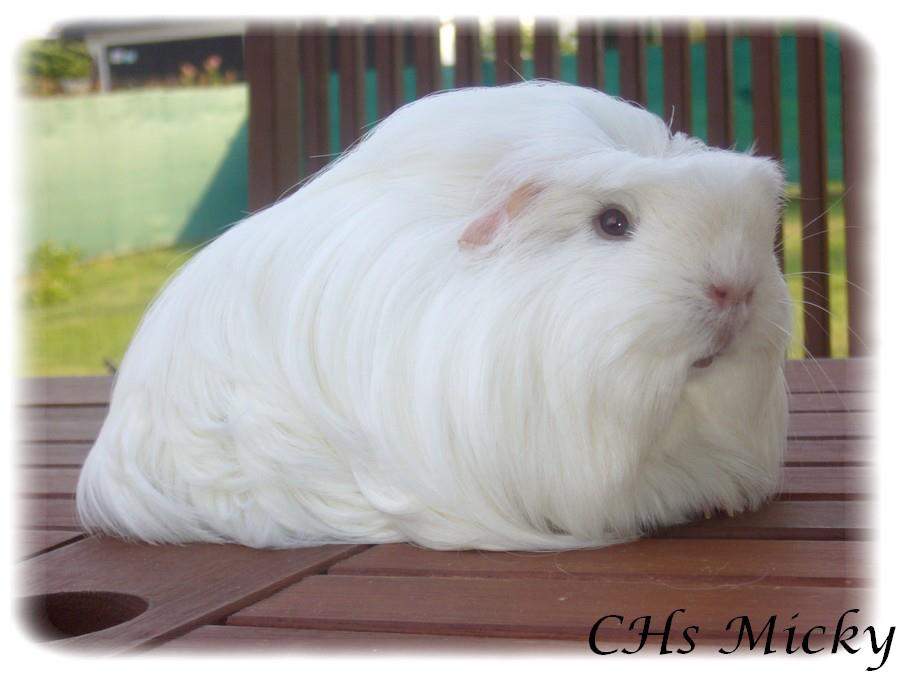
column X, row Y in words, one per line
column 807, row 553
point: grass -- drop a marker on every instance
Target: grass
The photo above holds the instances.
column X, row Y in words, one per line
column 79, row 335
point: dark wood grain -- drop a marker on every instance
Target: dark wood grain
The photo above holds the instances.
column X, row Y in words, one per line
column 813, row 191
column 719, row 127
column 546, row 49
column 507, row 51
column 68, row 424
column 632, row 64
column 227, row 638
column 677, row 77
column 273, row 155
column 831, row 425
column 186, row 586
column 856, row 111
column 766, row 90
column 351, row 81
column 93, row 390
column 848, row 401
column 35, row 542
column 315, row 69
column 830, row 375
column 52, row 454
column 766, row 93
column 389, row 61
column 259, row 49
column 48, row 482
column 825, row 452
column 467, row 42
column 673, row 561
column 795, row 520
column 589, row 57
column 43, row 513
column 426, row 45
column 827, row 482
column 552, row 609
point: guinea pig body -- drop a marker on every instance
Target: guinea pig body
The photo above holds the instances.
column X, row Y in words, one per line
column 436, row 341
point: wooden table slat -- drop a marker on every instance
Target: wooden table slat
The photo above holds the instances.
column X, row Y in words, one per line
column 48, row 514
column 826, row 482
column 674, row 561
column 552, row 609
column 44, row 482
column 65, row 390
column 78, row 424
column 829, row 452
column 65, row 454
column 831, row 425
column 35, row 542
column 830, row 375
column 227, row 638
column 185, row 586
column 847, row 401
column 796, row 520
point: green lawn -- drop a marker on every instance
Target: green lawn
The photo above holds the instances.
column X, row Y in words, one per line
column 76, row 336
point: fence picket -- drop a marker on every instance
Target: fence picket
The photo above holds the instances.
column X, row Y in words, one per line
column 857, row 158
column 813, row 191
column 274, row 135
column 351, row 82
column 467, row 72
column 314, row 70
column 677, row 78
column 632, row 64
column 389, row 61
column 766, row 86
column 508, row 52
column 546, row 49
column 589, row 58
column 428, row 58
column 719, row 130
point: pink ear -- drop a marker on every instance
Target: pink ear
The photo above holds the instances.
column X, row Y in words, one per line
column 483, row 229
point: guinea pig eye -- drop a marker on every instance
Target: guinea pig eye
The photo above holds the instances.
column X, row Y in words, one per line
column 612, row 223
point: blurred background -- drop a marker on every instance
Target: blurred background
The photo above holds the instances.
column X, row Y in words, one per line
column 144, row 139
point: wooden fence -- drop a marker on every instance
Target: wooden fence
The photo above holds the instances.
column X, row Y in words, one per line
column 288, row 68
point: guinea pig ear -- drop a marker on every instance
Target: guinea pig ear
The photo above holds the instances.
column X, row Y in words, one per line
column 483, row 230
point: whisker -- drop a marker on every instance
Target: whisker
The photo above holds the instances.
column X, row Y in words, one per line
column 828, row 274
column 810, row 357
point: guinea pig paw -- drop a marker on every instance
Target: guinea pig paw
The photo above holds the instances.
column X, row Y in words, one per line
column 732, row 511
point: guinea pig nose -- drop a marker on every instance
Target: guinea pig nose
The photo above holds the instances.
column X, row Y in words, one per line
column 726, row 295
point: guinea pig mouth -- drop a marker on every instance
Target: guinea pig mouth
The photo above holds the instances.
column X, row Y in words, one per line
column 705, row 362
column 720, row 344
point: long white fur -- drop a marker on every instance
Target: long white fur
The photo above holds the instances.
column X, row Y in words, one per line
column 336, row 368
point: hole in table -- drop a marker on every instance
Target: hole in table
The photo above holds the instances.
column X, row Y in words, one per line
column 56, row 616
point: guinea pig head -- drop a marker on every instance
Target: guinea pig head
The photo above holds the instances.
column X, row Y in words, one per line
column 669, row 255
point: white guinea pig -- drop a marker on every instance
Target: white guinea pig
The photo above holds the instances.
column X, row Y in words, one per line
column 523, row 317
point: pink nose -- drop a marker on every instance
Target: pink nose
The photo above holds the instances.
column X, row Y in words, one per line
column 725, row 296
